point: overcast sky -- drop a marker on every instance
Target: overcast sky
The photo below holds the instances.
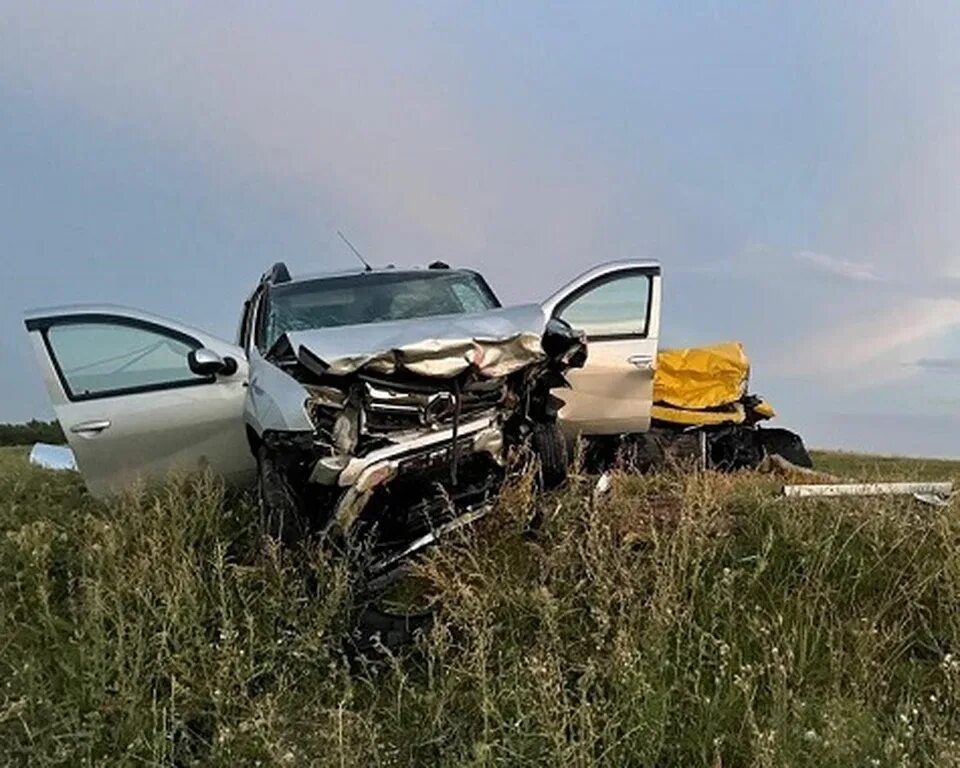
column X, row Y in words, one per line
column 795, row 170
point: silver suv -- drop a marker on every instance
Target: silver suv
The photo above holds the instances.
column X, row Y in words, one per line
column 385, row 397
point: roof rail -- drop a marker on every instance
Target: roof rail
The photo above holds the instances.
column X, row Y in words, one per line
column 278, row 273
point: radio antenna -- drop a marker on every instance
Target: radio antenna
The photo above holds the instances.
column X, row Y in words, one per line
column 366, row 267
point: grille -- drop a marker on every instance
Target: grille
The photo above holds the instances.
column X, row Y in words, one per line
column 390, row 406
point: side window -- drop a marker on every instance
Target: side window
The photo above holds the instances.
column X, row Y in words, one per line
column 101, row 358
column 616, row 307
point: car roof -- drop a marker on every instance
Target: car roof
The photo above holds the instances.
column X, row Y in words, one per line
column 596, row 269
column 298, row 278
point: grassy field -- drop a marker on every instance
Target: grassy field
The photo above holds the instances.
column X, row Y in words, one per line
column 880, row 468
column 675, row 621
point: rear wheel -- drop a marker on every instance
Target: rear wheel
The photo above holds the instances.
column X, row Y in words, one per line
column 281, row 517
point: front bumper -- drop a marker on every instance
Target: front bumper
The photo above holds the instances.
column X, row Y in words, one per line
column 360, row 476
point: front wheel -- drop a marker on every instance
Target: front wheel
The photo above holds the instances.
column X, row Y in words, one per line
column 550, row 447
column 280, row 515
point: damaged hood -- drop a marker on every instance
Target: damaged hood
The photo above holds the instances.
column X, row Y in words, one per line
column 495, row 343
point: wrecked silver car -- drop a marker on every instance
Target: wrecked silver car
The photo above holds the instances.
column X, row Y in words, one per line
column 387, row 399
column 412, row 414
column 392, row 398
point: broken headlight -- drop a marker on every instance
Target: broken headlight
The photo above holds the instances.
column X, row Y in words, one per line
column 346, row 429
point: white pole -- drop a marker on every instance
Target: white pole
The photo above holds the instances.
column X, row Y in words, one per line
column 868, row 489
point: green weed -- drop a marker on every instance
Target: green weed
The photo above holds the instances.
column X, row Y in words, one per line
column 673, row 621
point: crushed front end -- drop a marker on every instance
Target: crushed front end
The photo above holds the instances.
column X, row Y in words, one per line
column 413, row 438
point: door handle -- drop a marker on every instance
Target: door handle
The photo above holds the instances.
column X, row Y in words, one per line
column 643, row 362
column 94, row 427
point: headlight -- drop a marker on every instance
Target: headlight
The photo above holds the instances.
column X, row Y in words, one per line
column 346, row 430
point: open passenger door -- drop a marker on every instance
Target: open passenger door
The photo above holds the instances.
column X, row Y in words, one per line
column 130, row 403
column 618, row 306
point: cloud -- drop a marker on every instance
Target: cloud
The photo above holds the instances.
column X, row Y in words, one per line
column 897, row 200
column 386, row 144
column 851, row 270
column 938, row 364
column 879, row 348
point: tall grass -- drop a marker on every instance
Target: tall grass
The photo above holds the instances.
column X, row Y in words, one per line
column 673, row 621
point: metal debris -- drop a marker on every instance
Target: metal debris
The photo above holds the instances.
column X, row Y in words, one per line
column 868, row 489
column 57, row 457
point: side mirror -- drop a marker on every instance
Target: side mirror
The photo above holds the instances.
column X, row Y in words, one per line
column 564, row 345
column 206, row 362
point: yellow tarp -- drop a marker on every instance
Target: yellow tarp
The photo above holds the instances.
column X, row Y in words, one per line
column 701, row 377
column 736, row 414
column 697, row 386
column 698, row 418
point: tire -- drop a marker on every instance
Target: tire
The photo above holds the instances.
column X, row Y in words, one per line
column 786, row 444
column 550, row 447
column 280, row 515
column 376, row 630
column 733, row 448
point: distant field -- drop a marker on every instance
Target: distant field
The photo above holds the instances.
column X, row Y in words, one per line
column 866, row 467
column 676, row 621
column 843, row 464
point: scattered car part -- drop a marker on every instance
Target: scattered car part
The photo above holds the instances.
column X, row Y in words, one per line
column 867, row 489
column 602, row 485
column 383, row 572
column 56, row 457
column 932, row 499
column 776, row 464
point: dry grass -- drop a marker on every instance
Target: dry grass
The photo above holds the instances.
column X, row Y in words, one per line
column 675, row 621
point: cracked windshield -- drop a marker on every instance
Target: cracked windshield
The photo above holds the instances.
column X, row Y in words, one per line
column 371, row 298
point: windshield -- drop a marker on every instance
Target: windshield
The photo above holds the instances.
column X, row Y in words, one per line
column 370, row 298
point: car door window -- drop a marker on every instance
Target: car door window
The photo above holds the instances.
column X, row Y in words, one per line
column 613, row 308
column 103, row 358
